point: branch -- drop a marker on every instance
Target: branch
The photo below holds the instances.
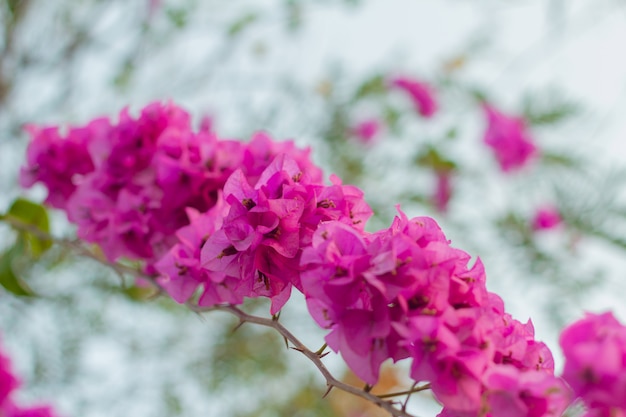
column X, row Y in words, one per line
column 331, row 381
column 74, row 246
column 315, row 357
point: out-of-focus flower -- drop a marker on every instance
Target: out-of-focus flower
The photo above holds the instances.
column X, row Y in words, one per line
column 153, row 7
column 546, row 218
column 507, row 136
column 366, row 130
column 595, row 363
column 443, row 190
column 420, row 92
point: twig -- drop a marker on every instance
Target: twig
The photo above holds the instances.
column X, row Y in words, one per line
column 73, row 246
column 331, row 381
column 407, row 392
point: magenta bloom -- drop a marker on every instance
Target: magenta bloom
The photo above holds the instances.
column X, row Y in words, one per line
column 59, row 163
column 420, row 93
column 514, row 393
column 129, row 185
column 228, row 220
column 595, row 362
column 8, row 381
column 366, row 130
column 443, row 191
column 507, row 136
column 546, row 218
column 404, row 292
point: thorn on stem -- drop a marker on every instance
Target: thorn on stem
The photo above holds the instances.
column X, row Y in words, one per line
column 367, row 388
column 330, row 387
column 241, row 322
column 320, row 351
column 276, row 316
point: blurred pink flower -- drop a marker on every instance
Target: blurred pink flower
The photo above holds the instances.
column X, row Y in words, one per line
column 443, row 191
column 366, row 130
column 595, row 363
column 507, row 136
column 421, row 94
column 546, row 218
column 153, row 7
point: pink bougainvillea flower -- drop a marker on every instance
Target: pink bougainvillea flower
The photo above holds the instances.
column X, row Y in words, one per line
column 546, row 218
column 366, row 130
column 59, row 162
column 8, row 381
column 595, row 361
column 227, row 220
column 507, row 136
column 259, row 240
column 511, row 392
column 421, row 94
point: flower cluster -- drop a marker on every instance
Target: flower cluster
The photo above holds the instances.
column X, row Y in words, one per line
column 255, row 234
column 225, row 220
column 58, row 162
column 9, row 383
column 595, row 360
column 507, row 136
column 129, row 185
column 404, row 292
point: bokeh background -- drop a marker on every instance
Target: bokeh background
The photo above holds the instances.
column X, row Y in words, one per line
column 309, row 71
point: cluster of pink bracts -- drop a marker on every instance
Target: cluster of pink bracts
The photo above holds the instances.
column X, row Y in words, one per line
column 226, row 220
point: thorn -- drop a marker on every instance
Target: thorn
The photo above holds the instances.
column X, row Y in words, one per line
column 276, row 316
column 241, row 322
column 320, row 351
column 286, row 342
column 330, row 387
column 324, row 355
column 367, row 388
column 298, row 349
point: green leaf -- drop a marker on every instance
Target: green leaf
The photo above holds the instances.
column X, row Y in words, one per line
column 294, row 15
column 12, row 6
column 371, row 87
column 137, row 293
column 178, row 17
column 9, row 280
column 391, row 116
column 452, row 133
column 239, row 25
column 33, row 215
column 563, row 160
column 124, row 75
column 478, row 94
column 548, row 108
column 431, row 158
